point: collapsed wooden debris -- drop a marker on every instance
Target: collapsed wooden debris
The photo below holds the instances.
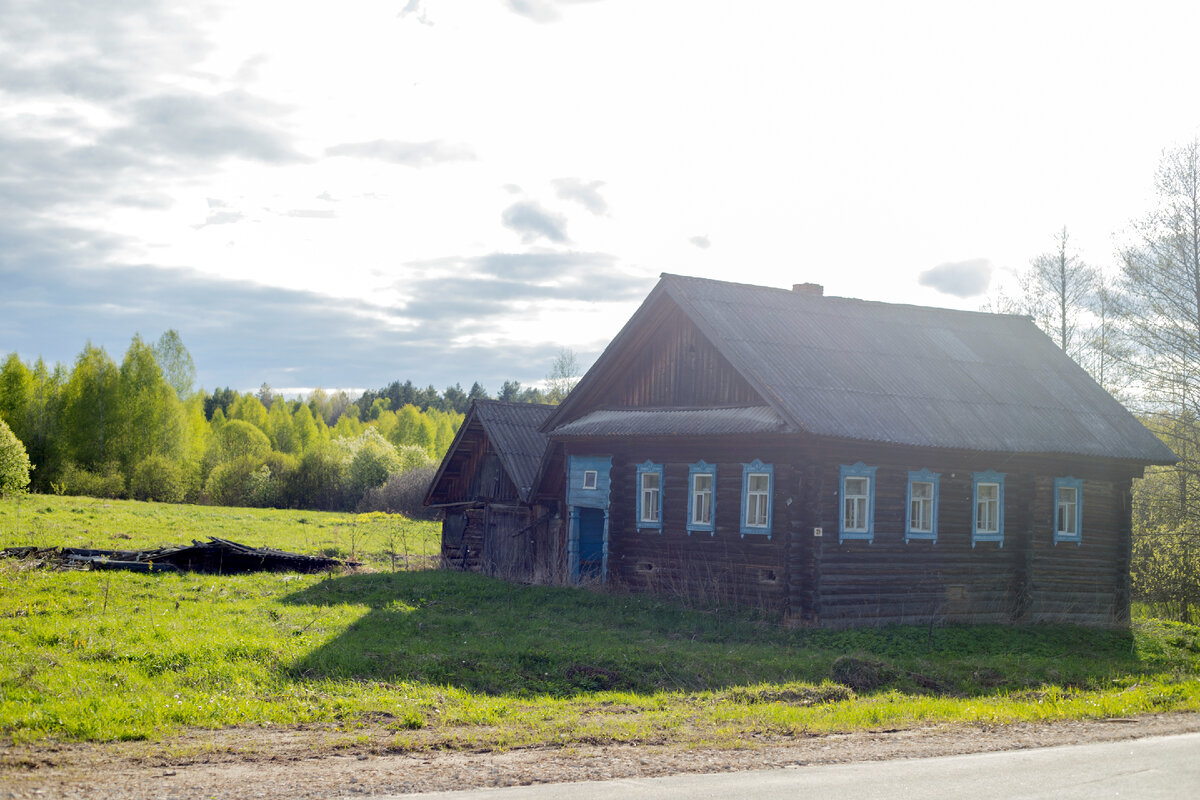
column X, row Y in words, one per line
column 216, row 555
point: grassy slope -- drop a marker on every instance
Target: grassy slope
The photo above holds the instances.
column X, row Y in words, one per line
column 450, row 659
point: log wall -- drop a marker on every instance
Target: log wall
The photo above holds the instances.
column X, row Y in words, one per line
column 819, row 580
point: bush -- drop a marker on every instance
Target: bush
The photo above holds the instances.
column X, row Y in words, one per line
column 107, row 481
column 318, row 481
column 403, row 493
column 369, row 460
column 158, row 478
column 247, row 481
column 14, row 462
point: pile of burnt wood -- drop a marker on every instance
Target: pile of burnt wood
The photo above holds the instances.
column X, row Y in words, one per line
column 215, row 555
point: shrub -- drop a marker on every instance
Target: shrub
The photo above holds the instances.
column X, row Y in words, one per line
column 14, row 462
column 158, row 478
column 372, row 460
column 403, row 493
column 318, row 480
column 107, row 481
column 247, row 481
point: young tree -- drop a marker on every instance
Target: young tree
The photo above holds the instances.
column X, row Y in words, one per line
column 1058, row 287
column 91, row 409
column 563, row 376
column 176, row 363
column 1160, row 309
column 16, row 395
column 151, row 416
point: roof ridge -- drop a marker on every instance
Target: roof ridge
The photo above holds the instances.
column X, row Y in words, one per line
column 821, row 299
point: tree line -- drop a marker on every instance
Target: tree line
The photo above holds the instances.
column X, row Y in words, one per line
column 138, row 429
column 1135, row 327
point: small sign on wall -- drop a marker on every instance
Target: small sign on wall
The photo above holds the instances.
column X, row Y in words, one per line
column 817, row 532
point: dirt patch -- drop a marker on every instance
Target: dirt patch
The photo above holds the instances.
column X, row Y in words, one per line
column 313, row 762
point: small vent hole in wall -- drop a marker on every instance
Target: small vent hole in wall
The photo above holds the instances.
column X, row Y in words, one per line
column 767, row 576
column 645, row 566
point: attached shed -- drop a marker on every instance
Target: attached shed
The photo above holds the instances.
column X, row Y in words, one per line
column 848, row 462
column 494, row 521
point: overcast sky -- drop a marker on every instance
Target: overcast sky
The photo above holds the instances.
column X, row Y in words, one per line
column 340, row 195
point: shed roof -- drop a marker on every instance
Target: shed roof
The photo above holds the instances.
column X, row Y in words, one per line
column 903, row 374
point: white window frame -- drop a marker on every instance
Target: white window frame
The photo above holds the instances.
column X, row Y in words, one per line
column 757, row 500
column 590, row 477
column 911, row 531
column 1074, row 532
column 862, row 529
column 990, row 534
column 649, row 514
column 702, row 469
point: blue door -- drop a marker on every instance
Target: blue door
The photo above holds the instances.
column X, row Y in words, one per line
column 591, row 542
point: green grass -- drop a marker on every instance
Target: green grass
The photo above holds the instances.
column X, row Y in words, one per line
column 445, row 659
column 48, row 520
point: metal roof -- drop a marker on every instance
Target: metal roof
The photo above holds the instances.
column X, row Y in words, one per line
column 907, row 375
column 513, row 431
column 673, row 422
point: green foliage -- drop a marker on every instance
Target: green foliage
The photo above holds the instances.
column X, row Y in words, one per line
column 370, row 459
column 91, row 410
column 320, row 479
column 238, row 439
column 159, row 478
column 250, row 481
column 103, row 481
column 16, row 395
column 14, row 462
column 178, row 369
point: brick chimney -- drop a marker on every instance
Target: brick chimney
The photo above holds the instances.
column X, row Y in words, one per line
column 813, row 289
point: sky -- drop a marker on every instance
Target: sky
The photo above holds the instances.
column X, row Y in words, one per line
column 449, row 191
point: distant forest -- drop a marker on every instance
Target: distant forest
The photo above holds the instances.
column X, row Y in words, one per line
column 140, row 430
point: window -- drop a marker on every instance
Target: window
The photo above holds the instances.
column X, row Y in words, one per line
column 702, row 479
column 920, row 521
column 857, row 513
column 758, row 481
column 589, row 479
column 1068, row 510
column 989, row 508
column 649, row 483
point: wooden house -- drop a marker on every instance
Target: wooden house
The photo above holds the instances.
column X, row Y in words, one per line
column 494, row 521
column 838, row 461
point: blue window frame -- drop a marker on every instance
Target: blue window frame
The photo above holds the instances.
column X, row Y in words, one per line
column 988, row 503
column 702, row 497
column 758, row 487
column 856, row 515
column 650, row 496
column 1068, row 510
column 921, row 515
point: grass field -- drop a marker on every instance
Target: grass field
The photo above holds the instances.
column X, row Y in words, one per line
column 445, row 659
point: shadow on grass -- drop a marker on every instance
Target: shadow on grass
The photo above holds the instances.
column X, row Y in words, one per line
column 490, row 636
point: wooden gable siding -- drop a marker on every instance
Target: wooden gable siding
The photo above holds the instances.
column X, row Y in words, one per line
column 476, row 472
column 673, row 364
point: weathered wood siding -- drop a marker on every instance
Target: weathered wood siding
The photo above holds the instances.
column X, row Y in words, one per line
column 722, row 567
column 819, row 580
column 1027, row 578
column 676, row 366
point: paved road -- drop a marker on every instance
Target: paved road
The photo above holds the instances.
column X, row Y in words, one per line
column 1146, row 769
